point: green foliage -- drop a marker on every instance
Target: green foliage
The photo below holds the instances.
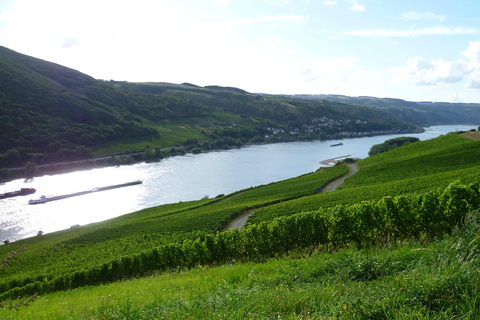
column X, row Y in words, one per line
column 411, row 281
column 367, row 223
column 417, row 167
column 391, row 144
column 48, row 112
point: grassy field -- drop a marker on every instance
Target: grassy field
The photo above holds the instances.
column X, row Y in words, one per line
column 402, row 276
column 173, row 133
column 412, row 280
column 169, row 136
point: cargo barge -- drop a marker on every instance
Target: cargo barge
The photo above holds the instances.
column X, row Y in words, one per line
column 336, row 144
column 21, row 192
column 44, row 199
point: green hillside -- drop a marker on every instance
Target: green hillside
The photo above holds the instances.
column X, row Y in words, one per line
column 383, row 246
column 50, row 113
column 421, row 113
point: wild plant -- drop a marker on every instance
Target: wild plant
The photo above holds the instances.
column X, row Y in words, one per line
column 21, row 303
column 11, row 255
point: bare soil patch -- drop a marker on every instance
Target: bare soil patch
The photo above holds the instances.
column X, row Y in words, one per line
column 472, row 135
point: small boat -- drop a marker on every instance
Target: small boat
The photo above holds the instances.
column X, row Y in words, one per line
column 42, row 199
column 336, row 144
column 21, row 192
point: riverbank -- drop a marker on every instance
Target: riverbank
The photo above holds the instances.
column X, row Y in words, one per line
column 332, row 161
column 148, row 156
column 172, row 180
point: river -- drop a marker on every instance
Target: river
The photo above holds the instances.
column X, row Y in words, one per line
column 181, row 178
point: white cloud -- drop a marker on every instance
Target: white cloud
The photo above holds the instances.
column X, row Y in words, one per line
column 288, row 20
column 473, row 53
column 473, row 81
column 439, row 30
column 277, row 2
column 281, row 18
column 412, row 15
column 339, row 75
column 329, row 2
column 220, row 3
column 357, row 7
column 330, row 68
column 70, row 42
column 274, row 42
column 421, row 72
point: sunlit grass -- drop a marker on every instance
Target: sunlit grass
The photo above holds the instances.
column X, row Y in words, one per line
column 169, row 136
column 410, row 281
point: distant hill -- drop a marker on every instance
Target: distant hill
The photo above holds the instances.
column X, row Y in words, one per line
column 50, row 113
column 420, row 113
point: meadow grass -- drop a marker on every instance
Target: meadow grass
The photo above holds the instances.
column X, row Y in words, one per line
column 172, row 133
column 169, row 136
column 411, row 280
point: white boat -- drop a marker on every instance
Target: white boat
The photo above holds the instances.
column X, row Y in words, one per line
column 42, row 199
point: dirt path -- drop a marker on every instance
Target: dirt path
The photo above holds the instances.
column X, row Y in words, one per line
column 334, row 184
column 240, row 222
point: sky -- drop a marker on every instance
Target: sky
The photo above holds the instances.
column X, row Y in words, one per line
column 422, row 50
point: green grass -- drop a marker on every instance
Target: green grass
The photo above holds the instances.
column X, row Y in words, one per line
column 169, row 136
column 173, row 133
column 411, row 281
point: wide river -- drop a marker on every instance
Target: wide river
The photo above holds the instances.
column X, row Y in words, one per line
column 181, row 178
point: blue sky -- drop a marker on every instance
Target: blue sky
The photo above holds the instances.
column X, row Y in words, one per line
column 412, row 50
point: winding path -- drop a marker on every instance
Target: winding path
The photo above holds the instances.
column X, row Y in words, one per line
column 240, row 222
column 334, row 184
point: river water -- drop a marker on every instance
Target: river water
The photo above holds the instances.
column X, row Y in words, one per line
column 181, row 178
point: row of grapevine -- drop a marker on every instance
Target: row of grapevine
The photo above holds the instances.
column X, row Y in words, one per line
column 350, row 196
column 405, row 216
column 433, row 212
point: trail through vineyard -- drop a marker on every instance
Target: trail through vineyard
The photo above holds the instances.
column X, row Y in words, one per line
column 240, row 222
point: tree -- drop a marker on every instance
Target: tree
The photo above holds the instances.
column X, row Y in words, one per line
column 13, row 155
column 30, row 168
column 4, row 173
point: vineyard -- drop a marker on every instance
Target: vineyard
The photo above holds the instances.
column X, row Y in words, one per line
column 421, row 190
column 416, row 167
column 87, row 247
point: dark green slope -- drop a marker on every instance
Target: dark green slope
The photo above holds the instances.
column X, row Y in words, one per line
column 50, row 113
column 282, row 110
column 45, row 107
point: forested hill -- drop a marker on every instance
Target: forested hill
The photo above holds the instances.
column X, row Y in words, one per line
column 45, row 107
column 421, row 113
column 49, row 113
